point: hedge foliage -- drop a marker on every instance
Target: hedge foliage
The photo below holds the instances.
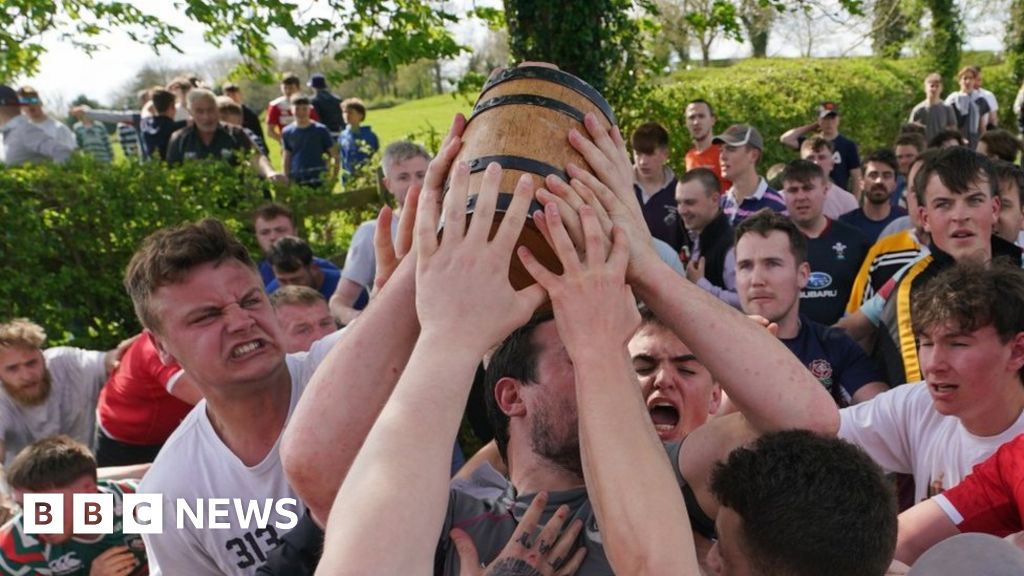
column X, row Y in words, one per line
column 874, row 97
column 69, row 231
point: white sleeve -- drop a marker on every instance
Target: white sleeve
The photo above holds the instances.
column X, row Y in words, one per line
column 171, row 553
column 879, row 427
column 360, row 263
column 304, row 364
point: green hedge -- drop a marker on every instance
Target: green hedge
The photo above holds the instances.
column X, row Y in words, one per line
column 69, row 231
column 874, row 96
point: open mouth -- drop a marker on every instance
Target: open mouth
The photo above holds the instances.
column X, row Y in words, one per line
column 665, row 417
column 247, row 349
column 944, row 388
column 962, row 234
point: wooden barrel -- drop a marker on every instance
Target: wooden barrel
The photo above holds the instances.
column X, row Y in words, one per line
column 522, row 121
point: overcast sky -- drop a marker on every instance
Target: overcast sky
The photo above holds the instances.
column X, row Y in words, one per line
column 65, row 72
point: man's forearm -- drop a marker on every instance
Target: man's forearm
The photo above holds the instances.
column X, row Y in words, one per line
column 347, row 393
column 760, row 375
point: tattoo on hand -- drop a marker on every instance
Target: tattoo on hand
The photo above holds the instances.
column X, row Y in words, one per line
column 512, row 567
column 524, row 540
column 546, row 547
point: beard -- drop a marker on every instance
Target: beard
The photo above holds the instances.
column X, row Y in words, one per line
column 30, row 396
column 555, row 437
column 878, row 195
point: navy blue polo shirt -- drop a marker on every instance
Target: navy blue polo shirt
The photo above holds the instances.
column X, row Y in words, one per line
column 838, row 362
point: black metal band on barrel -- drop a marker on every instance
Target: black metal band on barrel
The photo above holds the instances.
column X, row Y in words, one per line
column 520, row 163
column 529, row 100
column 504, row 201
column 557, row 77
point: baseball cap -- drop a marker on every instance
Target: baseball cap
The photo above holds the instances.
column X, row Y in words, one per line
column 827, row 109
column 740, row 135
column 970, row 554
column 8, row 97
column 318, row 81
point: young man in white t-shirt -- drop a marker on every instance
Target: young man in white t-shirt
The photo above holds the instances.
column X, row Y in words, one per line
column 199, row 293
column 969, row 323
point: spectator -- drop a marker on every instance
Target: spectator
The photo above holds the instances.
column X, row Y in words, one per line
column 708, row 254
column 62, row 465
column 404, row 165
column 92, row 138
column 128, row 121
column 772, row 272
column 292, row 261
column 206, row 137
column 327, row 105
column 846, row 170
column 180, row 87
column 250, row 119
column 196, row 289
column 655, row 183
column 932, row 113
column 999, row 144
column 231, row 113
column 304, row 316
column 47, row 392
column 908, row 148
column 272, row 222
column 306, row 144
column 879, row 185
column 700, row 121
column 141, row 404
column 24, row 141
column 742, row 147
column 279, row 111
column 947, row 139
column 158, row 128
column 1011, row 195
column 837, row 200
column 358, row 143
column 33, row 108
column 833, row 250
column 992, row 119
column 956, row 191
column 970, row 107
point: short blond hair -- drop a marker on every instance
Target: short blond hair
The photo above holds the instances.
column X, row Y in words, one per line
column 22, row 333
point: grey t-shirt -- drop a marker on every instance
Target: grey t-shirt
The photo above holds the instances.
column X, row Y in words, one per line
column 491, row 510
column 76, row 377
column 935, row 118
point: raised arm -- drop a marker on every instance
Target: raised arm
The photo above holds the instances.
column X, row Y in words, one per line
column 648, row 533
column 791, row 138
column 413, row 436
column 353, row 383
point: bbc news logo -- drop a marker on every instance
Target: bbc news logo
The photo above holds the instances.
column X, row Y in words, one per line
column 144, row 513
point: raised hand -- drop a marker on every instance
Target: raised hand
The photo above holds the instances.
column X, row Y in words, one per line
column 524, row 555
column 462, row 285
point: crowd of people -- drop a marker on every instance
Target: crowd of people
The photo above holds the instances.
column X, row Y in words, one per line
column 815, row 371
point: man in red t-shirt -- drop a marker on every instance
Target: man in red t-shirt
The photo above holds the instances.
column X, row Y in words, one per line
column 279, row 111
column 141, row 404
column 700, row 121
column 990, row 500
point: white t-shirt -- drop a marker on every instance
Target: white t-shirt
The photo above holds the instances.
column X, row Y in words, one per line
column 360, row 262
column 195, row 463
column 76, row 377
column 901, row 430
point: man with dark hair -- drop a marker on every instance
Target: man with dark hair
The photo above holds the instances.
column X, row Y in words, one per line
column 999, row 145
column 1011, row 202
column 957, row 191
column 709, row 256
column 304, row 316
column 907, row 148
column 742, row 148
column 231, row 114
column 250, row 119
column 62, row 465
column 327, row 105
column 800, row 504
column 655, row 183
column 291, row 259
column 700, row 121
column 771, row 272
column 279, row 111
column 272, row 222
column 846, row 172
column 880, row 184
column 900, row 243
column 310, row 153
column 835, row 250
column 969, row 321
column 197, row 291
column 157, row 129
column 837, row 200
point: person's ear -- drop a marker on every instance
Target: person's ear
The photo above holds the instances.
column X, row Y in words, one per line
column 166, row 358
column 510, row 401
column 1016, row 352
column 803, row 274
column 715, row 402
